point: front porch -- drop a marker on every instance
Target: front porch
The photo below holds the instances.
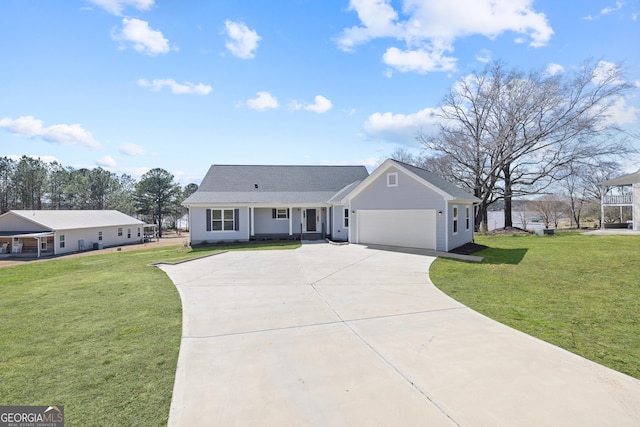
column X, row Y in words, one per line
column 27, row 245
column 289, row 223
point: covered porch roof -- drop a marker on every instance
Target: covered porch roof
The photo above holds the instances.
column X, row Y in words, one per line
column 629, row 179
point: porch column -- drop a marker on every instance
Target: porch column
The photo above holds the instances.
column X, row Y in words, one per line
column 602, row 195
column 38, row 243
column 252, row 231
column 290, row 220
column 635, row 210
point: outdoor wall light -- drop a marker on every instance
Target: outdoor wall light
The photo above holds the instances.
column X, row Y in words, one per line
column 439, row 213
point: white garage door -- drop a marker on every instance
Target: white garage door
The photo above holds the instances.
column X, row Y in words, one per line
column 408, row 228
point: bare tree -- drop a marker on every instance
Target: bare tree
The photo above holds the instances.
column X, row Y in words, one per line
column 513, row 134
column 582, row 188
column 464, row 139
column 549, row 209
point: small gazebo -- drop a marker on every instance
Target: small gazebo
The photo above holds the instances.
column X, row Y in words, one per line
column 623, row 191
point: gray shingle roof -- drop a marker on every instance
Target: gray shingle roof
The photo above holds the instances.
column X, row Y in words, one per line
column 274, row 184
column 440, row 182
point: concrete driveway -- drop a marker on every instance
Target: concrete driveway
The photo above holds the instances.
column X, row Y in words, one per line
column 331, row 335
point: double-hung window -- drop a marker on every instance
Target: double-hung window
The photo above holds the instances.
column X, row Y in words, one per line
column 61, row 241
column 219, row 220
column 119, row 231
column 222, row 219
column 346, row 218
column 468, row 217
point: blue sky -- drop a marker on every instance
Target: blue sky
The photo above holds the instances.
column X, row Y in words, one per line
column 131, row 85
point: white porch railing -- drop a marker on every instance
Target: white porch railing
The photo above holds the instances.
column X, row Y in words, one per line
column 620, row 199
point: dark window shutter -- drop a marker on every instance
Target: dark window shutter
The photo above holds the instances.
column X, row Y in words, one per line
column 236, row 219
column 287, row 212
column 274, row 213
column 208, row 219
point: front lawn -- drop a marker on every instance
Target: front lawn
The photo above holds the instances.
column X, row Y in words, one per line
column 579, row 292
column 98, row 334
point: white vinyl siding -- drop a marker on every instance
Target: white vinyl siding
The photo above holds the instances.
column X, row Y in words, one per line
column 392, row 179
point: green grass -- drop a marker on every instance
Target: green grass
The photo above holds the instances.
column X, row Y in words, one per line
column 579, row 292
column 98, row 334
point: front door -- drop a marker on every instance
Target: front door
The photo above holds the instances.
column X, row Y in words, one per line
column 311, row 220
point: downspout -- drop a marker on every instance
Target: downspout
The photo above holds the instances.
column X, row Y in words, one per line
column 446, row 227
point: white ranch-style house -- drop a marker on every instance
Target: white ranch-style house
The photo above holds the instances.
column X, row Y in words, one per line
column 38, row 233
column 397, row 205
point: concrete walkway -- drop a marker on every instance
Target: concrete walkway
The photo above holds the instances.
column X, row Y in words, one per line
column 349, row 336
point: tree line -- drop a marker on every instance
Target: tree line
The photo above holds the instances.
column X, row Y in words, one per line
column 31, row 183
column 504, row 134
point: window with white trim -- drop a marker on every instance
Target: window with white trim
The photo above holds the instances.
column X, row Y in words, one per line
column 99, row 236
column 43, row 245
column 222, row 219
column 346, row 218
column 392, row 179
column 128, row 233
column 468, row 217
column 138, row 231
column 62, row 241
column 455, row 219
column 119, row 231
column 281, row 213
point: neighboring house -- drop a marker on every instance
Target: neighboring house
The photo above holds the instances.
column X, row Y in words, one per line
column 623, row 191
column 39, row 233
column 397, row 205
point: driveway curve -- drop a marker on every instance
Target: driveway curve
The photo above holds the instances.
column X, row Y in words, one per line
column 331, row 335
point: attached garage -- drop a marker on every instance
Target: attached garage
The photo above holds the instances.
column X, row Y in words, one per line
column 406, row 228
column 406, row 206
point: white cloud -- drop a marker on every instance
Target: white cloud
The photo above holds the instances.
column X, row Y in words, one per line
column 553, row 69
column 428, row 28
column 610, row 9
column 143, row 38
column 30, row 127
column 134, row 150
column 117, row 6
column 420, row 60
column 175, row 87
column 241, row 42
column 607, row 10
column 604, row 71
column 620, row 113
column 320, row 106
column 106, row 162
column 483, row 56
column 263, row 102
column 399, row 128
